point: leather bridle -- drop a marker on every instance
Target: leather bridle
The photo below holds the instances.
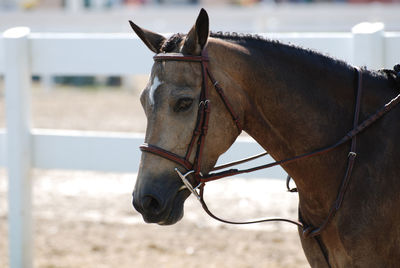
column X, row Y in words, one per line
column 203, row 115
column 200, row 133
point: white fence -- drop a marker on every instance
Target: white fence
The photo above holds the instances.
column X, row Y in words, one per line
column 306, row 17
column 23, row 53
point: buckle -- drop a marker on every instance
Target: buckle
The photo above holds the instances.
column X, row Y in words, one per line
column 204, row 102
column 352, row 154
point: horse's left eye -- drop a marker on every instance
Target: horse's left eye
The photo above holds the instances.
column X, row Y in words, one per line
column 183, row 105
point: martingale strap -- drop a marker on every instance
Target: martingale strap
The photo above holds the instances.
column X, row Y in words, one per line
column 351, row 134
column 308, row 230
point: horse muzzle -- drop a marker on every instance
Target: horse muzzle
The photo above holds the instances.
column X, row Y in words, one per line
column 155, row 209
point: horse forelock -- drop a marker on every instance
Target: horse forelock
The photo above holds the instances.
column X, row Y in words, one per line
column 173, row 43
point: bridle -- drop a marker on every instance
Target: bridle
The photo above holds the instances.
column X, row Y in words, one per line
column 200, row 132
column 201, row 127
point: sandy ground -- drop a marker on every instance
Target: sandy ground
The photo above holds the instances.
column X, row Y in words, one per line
column 85, row 219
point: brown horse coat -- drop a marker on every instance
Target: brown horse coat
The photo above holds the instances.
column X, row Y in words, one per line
column 291, row 101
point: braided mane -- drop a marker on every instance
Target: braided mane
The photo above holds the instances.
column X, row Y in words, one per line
column 174, row 42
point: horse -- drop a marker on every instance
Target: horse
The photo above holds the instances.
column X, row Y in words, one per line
column 291, row 101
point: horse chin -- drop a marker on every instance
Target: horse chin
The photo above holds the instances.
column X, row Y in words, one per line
column 175, row 212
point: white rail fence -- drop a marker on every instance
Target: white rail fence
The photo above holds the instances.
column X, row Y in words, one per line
column 23, row 54
column 317, row 17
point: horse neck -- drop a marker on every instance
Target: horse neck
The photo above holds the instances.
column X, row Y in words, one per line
column 296, row 101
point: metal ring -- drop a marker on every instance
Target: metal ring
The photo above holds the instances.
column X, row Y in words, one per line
column 187, row 184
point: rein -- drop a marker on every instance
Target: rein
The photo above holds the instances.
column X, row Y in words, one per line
column 199, row 134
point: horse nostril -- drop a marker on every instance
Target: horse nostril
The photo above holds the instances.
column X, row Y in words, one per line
column 151, row 204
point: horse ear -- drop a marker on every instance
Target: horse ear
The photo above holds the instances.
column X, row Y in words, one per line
column 152, row 40
column 197, row 37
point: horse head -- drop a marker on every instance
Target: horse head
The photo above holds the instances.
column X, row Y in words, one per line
column 171, row 102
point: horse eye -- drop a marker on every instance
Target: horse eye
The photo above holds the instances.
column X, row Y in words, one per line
column 183, row 105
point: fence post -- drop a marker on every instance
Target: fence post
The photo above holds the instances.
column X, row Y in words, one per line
column 368, row 45
column 17, row 97
column 74, row 5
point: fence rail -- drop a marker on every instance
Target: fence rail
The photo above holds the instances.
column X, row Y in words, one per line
column 119, row 54
column 298, row 17
column 23, row 54
column 2, row 148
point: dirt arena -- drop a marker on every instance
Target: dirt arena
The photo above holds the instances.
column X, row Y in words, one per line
column 85, row 219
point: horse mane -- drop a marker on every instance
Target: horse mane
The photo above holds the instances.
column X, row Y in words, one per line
column 234, row 36
column 173, row 43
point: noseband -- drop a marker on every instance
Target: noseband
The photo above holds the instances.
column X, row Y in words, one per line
column 200, row 133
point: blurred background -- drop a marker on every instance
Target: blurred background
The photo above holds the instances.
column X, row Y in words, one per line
column 86, row 85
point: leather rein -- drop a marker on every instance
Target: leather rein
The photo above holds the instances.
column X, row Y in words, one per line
column 200, row 132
